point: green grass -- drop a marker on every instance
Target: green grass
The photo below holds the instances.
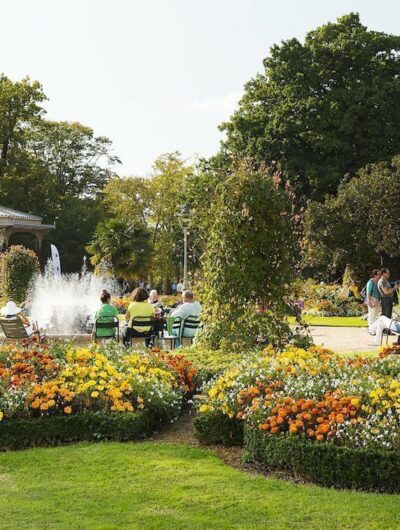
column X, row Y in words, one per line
column 347, row 322
column 150, row 486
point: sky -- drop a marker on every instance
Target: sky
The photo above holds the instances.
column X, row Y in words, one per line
column 157, row 75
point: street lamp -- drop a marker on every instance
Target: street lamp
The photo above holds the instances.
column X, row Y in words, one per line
column 185, row 214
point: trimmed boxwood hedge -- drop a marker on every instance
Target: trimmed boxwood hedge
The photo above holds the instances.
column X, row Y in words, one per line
column 217, row 428
column 324, row 463
column 90, row 426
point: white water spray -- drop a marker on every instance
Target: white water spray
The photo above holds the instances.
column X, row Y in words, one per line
column 63, row 304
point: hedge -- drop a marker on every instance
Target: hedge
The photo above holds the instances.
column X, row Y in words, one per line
column 217, row 428
column 325, row 463
column 85, row 426
column 18, row 265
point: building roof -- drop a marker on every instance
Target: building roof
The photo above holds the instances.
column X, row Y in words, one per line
column 17, row 215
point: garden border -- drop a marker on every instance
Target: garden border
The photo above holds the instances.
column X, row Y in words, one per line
column 326, row 464
column 22, row 433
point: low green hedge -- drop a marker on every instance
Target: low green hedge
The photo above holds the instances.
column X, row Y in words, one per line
column 210, row 363
column 88, row 426
column 217, row 428
column 324, row 463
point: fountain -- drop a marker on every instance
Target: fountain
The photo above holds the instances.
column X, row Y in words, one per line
column 63, row 305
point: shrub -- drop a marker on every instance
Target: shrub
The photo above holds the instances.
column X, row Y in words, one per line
column 218, row 429
column 18, row 265
column 325, row 300
column 326, row 464
column 170, row 300
column 210, row 362
column 89, row 426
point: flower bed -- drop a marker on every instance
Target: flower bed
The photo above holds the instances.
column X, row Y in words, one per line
column 325, row 300
column 105, row 392
column 311, row 401
column 122, row 303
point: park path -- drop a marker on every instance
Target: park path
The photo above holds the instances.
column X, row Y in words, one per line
column 344, row 339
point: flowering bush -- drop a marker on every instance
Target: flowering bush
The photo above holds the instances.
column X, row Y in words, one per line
column 313, row 394
column 325, row 300
column 122, row 303
column 36, row 382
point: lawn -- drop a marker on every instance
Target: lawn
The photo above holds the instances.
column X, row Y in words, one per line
column 347, row 322
column 113, row 486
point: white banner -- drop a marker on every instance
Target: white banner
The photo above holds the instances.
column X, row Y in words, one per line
column 55, row 258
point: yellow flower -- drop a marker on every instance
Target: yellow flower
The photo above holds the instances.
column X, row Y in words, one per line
column 94, row 394
column 1, row 415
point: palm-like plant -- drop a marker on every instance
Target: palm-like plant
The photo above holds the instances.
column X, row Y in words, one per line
column 126, row 246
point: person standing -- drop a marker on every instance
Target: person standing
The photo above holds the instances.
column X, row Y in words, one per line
column 173, row 287
column 386, row 292
column 373, row 298
column 179, row 287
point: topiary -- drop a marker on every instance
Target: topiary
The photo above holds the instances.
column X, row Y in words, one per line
column 18, row 265
column 248, row 263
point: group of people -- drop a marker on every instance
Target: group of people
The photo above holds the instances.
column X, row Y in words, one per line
column 176, row 287
column 379, row 299
column 147, row 306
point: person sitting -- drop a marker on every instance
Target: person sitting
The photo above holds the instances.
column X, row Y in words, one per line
column 140, row 307
column 106, row 313
column 188, row 308
column 13, row 312
column 154, row 299
column 384, row 323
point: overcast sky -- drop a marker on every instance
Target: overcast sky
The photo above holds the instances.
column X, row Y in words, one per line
column 157, row 75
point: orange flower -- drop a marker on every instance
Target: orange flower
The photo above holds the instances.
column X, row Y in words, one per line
column 67, row 410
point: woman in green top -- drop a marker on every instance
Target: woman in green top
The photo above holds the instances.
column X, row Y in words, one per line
column 373, row 298
column 106, row 313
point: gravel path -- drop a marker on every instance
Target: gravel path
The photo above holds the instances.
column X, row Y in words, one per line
column 345, row 339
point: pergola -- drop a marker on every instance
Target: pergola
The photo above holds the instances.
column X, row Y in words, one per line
column 13, row 222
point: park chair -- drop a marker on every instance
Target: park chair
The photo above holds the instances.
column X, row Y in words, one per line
column 110, row 323
column 143, row 322
column 14, row 329
column 180, row 326
column 192, row 323
column 389, row 331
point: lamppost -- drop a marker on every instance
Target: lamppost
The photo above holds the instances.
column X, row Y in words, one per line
column 185, row 213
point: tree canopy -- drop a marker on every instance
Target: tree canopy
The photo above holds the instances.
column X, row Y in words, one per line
column 359, row 227
column 322, row 108
column 53, row 169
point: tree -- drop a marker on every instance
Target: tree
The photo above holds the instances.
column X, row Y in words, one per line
column 80, row 161
column 322, row 109
column 123, row 245
column 247, row 262
column 360, row 227
column 19, row 107
column 155, row 204
column 75, row 225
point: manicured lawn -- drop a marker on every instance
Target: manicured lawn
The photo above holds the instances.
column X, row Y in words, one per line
column 350, row 322
column 113, row 486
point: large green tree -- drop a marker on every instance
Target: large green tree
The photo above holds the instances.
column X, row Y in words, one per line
column 322, row 108
column 20, row 106
column 359, row 227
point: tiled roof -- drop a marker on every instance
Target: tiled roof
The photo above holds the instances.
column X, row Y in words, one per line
column 15, row 214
